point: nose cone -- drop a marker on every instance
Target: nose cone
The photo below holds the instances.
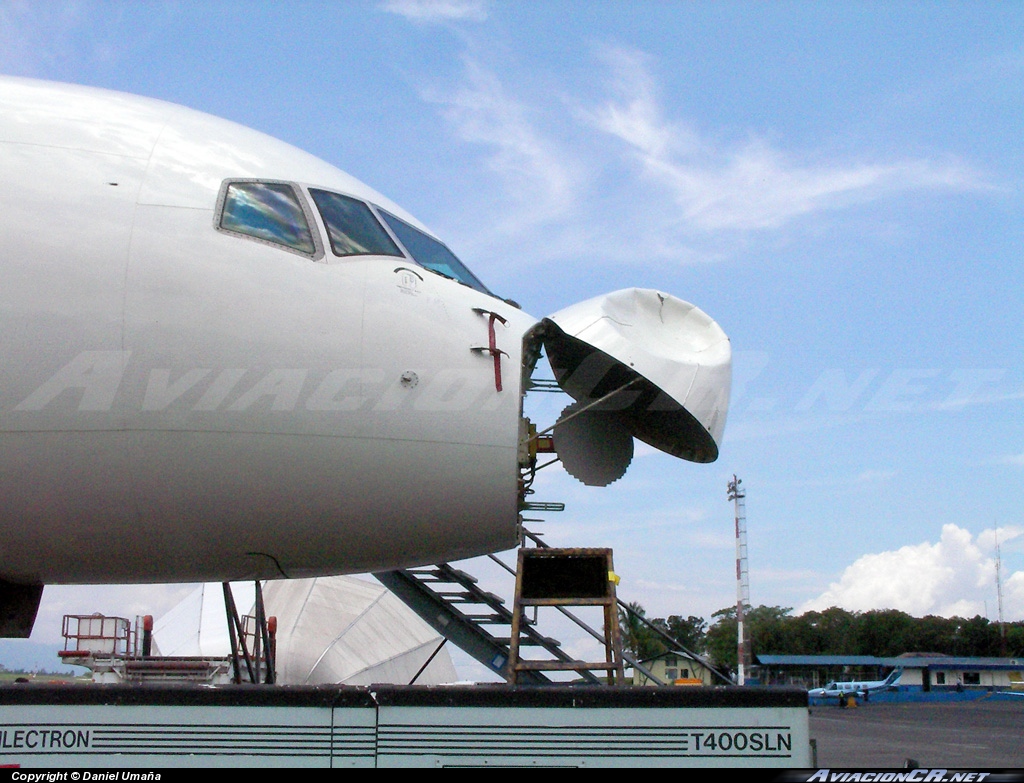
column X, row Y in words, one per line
column 675, row 358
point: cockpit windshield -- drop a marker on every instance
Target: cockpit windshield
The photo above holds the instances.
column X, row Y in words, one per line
column 427, row 251
column 351, row 226
column 268, row 212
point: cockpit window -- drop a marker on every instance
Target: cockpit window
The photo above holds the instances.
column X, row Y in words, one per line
column 351, row 226
column 269, row 211
column 427, row 251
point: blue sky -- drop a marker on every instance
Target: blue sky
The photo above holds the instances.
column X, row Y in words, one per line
column 838, row 185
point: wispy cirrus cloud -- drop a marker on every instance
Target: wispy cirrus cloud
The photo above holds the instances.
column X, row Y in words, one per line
column 750, row 185
column 438, row 10
column 621, row 176
column 77, row 35
column 533, row 169
column 31, row 38
column 874, row 476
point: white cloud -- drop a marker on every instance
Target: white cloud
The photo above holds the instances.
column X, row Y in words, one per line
column 784, row 574
column 1014, row 459
column 1013, row 593
column 31, row 37
column 750, row 185
column 76, row 35
column 625, row 180
column 533, row 169
column 438, row 10
column 954, row 576
column 641, row 449
column 874, row 476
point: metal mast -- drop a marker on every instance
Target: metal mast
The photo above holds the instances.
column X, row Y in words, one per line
column 999, row 596
column 737, row 496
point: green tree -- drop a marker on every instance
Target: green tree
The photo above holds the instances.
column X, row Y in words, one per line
column 771, row 630
column 933, row 634
column 637, row 638
column 834, row 631
column 689, row 632
column 830, row 632
column 979, row 637
column 885, row 632
column 1015, row 640
column 720, row 640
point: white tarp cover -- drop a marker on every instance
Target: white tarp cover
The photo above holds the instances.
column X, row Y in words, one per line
column 337, row 629
column 347, row 630
column 198, row 625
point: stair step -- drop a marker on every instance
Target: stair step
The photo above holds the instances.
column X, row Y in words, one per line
column 532, row 641
column 461, row 576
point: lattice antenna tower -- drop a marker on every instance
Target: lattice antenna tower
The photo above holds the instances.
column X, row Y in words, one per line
column 738, row 496
column 999, row 595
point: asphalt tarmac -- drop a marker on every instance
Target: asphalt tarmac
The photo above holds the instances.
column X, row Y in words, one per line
column 982, row 733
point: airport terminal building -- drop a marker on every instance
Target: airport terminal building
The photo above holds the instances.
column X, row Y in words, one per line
column 924, row 672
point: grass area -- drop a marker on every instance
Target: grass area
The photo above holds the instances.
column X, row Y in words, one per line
column 7, row 677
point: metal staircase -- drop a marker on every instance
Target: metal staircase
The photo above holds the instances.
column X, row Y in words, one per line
column 479, row 622
column 451, row 601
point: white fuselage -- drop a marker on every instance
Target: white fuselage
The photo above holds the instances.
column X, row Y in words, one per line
column 856, row 687
column 179, row 403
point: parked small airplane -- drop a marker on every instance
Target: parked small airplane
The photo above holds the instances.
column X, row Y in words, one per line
column 224, row 359
column 856, row 687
